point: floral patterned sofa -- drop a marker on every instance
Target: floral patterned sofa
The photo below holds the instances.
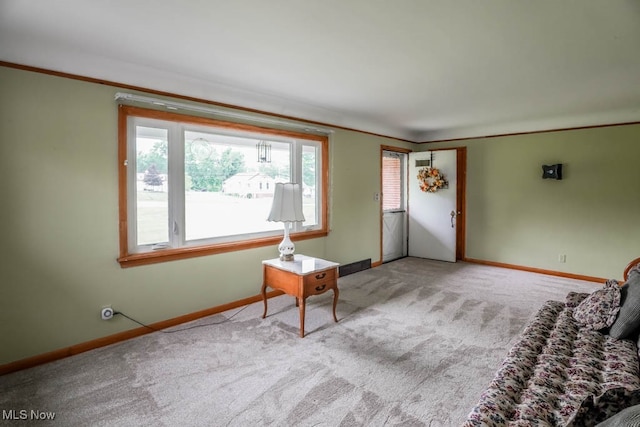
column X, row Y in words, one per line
column 576, row 363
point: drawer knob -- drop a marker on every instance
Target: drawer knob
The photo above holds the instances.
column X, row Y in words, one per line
column 319, row 288
column 320, row 276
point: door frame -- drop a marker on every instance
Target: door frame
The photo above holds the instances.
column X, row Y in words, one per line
column 461, row 196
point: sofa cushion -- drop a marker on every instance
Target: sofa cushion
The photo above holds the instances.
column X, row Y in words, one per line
column 600, row 308
column 629, row 417
column 627, row 323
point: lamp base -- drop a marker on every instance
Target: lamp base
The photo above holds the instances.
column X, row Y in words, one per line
column 286, row 257
column 286, row 247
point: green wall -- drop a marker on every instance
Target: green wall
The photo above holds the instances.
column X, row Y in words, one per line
column 355, row 223
column 591, row 215
column 59, row 216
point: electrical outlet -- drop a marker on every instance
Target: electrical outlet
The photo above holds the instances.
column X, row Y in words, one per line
column 106, row 313
column 562, row 258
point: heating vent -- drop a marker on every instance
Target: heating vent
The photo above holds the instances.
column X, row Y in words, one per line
column 354, row 267
column 423, row 163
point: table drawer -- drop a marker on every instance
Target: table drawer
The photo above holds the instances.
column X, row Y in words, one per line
column 317, row 283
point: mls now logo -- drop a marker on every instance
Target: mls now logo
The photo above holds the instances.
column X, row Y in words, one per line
column 23, row 414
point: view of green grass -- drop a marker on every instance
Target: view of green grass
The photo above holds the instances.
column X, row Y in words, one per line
column 209, row 214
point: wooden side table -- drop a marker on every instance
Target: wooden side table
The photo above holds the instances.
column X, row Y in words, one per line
column 300, row 278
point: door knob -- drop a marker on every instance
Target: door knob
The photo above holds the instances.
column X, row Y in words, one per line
column 453, row 215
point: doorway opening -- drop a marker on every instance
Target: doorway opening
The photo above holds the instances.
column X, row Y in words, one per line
column 394, row 203
column 399, row 203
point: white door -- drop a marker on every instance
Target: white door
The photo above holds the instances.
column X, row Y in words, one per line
column 394, row 213
column 432, row 216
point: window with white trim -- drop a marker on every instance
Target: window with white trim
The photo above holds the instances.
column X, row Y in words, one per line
column 196, row 185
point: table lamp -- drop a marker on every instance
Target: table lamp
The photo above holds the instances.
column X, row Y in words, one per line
column 287, row 208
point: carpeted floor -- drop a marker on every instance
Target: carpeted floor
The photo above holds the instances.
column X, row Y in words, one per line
column 416, row 344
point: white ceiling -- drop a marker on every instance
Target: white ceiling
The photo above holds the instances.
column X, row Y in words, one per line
column 420, row 70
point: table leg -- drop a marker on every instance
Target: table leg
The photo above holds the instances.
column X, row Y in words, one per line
column 302, row 303
column 264, row 299
column 335, row 302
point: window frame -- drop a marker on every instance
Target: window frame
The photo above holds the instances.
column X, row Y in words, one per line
column 127, row 258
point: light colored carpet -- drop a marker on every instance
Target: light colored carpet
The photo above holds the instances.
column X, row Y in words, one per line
column 416, row 344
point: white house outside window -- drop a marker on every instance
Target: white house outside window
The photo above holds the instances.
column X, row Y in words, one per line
column 194, row 185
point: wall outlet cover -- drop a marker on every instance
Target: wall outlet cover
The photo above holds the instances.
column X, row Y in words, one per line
column 106, row 313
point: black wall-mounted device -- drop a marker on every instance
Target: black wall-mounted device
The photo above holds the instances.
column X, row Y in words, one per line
column 552, row 171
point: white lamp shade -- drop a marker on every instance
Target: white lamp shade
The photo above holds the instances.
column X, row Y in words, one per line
column 287, row 203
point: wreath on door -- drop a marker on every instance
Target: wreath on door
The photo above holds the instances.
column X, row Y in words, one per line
column 431, row 180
